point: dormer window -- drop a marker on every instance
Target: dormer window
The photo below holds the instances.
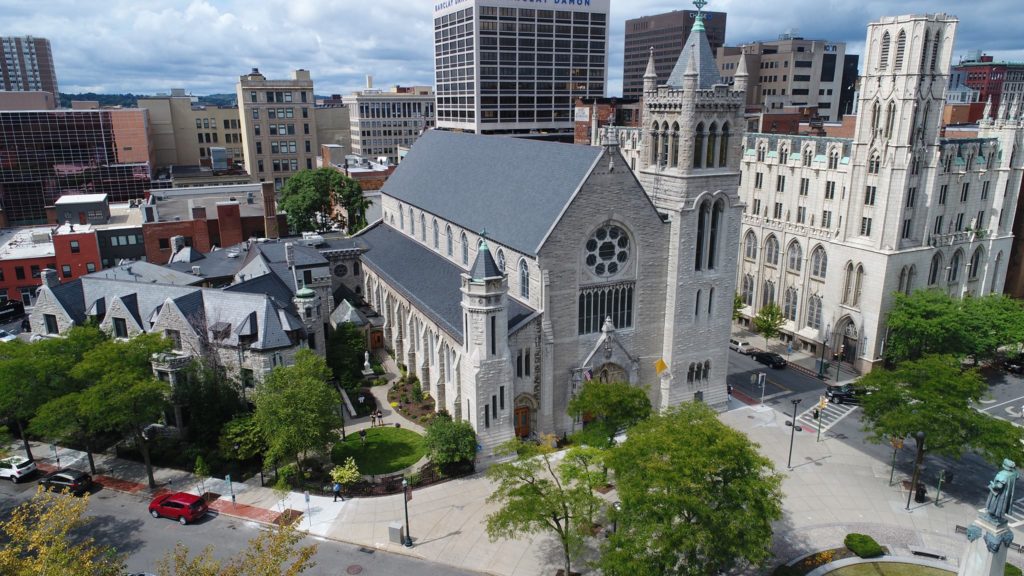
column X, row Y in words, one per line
column 120, row 328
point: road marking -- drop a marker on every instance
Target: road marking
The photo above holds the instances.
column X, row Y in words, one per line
column 829, row 417
column 1018, row 400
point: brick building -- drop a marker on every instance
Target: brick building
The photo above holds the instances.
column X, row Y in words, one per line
column 594, row 114
column 70, row 250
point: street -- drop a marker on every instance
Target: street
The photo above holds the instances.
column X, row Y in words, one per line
column 121, row 520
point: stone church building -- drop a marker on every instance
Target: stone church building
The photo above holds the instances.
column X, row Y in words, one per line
column 509, row 271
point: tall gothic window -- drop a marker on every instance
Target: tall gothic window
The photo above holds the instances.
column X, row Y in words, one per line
column 748, row 289
column 771, row 251
column 767, row 292
column 876, row 112
column 858, row 285
column 934, row 269
column 524, row 279
column 698, row 146
column 814, row 312
column 465, row 249
column 723, row 146
column 709, row 161
column 597, row 303
column 883, row 54
column 750, row 245
column 449, row 240
column 954, row 268
column 833, row 159
column 789, row 305
column 423, row 227
column 717, row 212
column 890, row 119
column 975, row 265
column 848, row 284
column 673, row 152
column 437, row 236
column 924, row 52
column 702, row 223
column 795, row 256
column 901, row 46
column 819, row 262
column 666, row 145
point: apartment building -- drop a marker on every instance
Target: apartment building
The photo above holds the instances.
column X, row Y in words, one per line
column 26, row 65
column 384, row 120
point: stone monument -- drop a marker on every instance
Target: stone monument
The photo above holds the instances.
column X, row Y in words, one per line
column 367, row 368
column 989, row 536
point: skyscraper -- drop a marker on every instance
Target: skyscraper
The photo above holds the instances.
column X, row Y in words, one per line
column 27, row 64
column 508, row 67
column 666, row 33
column 278, row 125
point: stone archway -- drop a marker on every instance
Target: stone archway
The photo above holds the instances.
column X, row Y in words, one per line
column 847, row 340
column 525, row 416
column 611, row 372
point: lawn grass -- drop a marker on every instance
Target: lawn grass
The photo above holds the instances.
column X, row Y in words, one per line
column 888, row 569
column 387, row 450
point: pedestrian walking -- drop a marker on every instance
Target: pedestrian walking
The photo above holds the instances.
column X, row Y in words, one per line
column 337, row 491
column 373, row 419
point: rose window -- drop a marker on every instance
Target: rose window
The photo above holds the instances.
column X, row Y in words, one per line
column 607, row 251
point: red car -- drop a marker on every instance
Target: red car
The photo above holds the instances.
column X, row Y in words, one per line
column 180, row 506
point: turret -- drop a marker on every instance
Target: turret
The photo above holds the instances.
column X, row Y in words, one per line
column 650, row 76
column 309, row 307
column 741, row 77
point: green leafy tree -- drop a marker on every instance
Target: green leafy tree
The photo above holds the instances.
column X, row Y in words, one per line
column 273, row 552
column 68, row 419
column 536, row 495
column 346, row 474
column 346, row 347
column 768, row 321
column 39, row 540
column 212, row 400
column 935, row 396
column 449, row 442
column 296, row 410
column 308, row 198
column 933, row 322
column 737, row 306
column 355, row 203
column 201, row 472
column 243, row 432
column 33, row 374
column 613, row 406
column 697, row 498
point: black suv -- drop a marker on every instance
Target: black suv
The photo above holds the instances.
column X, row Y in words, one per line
column 11, row 310
column 74, row 481
column 770, row 358
column 844, row 393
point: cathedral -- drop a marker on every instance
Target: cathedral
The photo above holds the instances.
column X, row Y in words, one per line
column 509, row 272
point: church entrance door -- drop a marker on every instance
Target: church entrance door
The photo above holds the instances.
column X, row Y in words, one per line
column 522, row 421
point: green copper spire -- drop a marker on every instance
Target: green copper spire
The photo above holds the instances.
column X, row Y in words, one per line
column 698, row 20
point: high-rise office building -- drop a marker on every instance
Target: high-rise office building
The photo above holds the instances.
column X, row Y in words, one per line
column 384, row 120
column 278, row 125
column 509, row 67
column 795, row 72
column 185, row 133
column 665, row 33
column 51, row 153
column 27, row 64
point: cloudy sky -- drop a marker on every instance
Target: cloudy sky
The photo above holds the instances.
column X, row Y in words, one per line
column 204, row 45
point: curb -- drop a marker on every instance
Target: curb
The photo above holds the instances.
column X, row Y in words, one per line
column 827, row 568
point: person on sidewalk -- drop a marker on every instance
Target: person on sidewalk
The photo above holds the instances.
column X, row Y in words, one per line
column 380, row 417
column 373, row 419
column 337, row 492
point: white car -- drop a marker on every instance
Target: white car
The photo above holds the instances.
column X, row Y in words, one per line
column 16, row 467
column 6, row 336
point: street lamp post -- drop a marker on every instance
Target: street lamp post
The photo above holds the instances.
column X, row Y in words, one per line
column 615, row 520
column 917, row 466
column 405, row 494
column 821, row 363
column 792, row 434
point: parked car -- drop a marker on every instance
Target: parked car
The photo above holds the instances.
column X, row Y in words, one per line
column 741, row 346
column 74, row 481
column 770, row 358
column 180, row 506
column 16, row 468
column 845, row 393
column 11, row 310
column 6, row 336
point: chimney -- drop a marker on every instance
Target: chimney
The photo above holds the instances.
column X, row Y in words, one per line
column 177, row 244
column 50, row 279
column 289, row 254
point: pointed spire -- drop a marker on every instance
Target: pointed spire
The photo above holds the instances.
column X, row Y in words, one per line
column 484, row 267
column 697, row 48
column 741, row 76
column 649, row 72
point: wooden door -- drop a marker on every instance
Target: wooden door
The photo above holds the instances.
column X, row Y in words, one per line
column 522, row 421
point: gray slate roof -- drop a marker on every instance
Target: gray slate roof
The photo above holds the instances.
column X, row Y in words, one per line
column 260, row 258
column 484, row 266
column 427, row 279
column 512, row 187
column 150, row 273
column 703, row 59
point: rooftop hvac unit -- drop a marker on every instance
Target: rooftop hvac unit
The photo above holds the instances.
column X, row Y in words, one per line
column 196, row 271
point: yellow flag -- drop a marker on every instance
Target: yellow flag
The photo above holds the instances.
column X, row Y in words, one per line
column 660, row 366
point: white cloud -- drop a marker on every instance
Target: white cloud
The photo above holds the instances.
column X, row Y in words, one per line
column 204, row 45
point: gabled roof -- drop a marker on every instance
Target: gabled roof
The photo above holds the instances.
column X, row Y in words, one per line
column 513, row 188
column 71, row 299
column 428, row 280
column 697, row 48
column 347, row 313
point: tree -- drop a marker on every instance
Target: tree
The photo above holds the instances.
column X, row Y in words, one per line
column 614, row 406
column 308, row 198
column 537, row 495
column 38, row 540
column 449, row 442
column 737, row 305
column 33, row 374
column 296, row 410
column 68, row 419
column 242, row 432
column 355, row 203
column 271, row 553
column 201, row 472
column 933, row 322
column 346, row 474
column 212, row 401
column 697, row 498
column 346, row 347
column 935, row 396
column 768, row 321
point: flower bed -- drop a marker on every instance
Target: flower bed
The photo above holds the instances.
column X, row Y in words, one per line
column 411, row 401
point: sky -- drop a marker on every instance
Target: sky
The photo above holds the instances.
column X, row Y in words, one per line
column 119, row 46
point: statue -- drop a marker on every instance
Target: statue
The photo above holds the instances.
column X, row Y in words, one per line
column 366, row 361
column 1000, row 492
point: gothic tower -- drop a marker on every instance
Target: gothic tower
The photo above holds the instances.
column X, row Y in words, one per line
column 485, row 398
column 689, row 165
column 309, row 306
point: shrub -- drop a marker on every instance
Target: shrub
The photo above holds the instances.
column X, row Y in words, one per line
column 414, row 478
column 417, row 392
column 1012, row 570
column 288, row 474
column 378, row 370
column 863, row 545
column 448, row 442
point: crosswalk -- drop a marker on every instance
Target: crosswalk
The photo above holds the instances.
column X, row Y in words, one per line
column 829, row 417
